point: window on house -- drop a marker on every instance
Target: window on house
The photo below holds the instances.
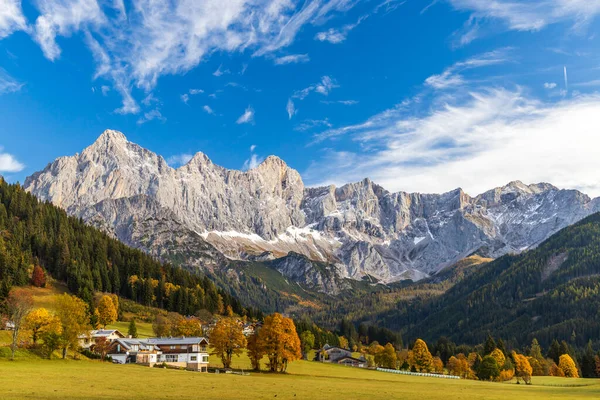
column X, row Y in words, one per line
column 171, row 358
column 173, row 347
column 193, row 358
column 205, row 359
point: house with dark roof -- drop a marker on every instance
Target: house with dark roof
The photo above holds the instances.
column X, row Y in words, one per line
column 332, row 354
column 185, row 352
column 134, row 351
column 353, row 362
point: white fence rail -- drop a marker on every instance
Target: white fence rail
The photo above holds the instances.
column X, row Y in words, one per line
column 397, row 371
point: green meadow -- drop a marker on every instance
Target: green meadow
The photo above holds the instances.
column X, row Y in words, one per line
column 30, row 378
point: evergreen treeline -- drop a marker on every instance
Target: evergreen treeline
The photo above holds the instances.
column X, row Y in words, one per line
column 551, row 292
column 34, row 233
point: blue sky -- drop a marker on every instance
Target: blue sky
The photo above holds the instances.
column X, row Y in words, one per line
column 416, row 95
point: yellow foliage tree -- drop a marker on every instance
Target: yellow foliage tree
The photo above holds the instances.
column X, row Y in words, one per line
column 227, row 339
column 554, row 370
column 255, row 351
column 386, row 358
column 499, row 357
column 107, row 312
column 421, row 358
column 74, row 319
column 280, row 342
column 459, row 366
column 188, row 327
column 523, row 368
column 438, row 365
column 506, row 375
column 343, row 342
column 567, row 366
column 37, row 322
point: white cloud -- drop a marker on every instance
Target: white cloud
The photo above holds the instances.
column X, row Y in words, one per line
column 185, row 98
column 134, row 46
column 335, row 36
column 549, row 85
column 105, row 89
column 292, row 59
column 220, row 71
column 310, row 124
column 178, row 160
column 451, row 76
column 8, row 84
column 208, row 110
column 8, row 162
column 64, row 17
column 11, row 17
column 151, row 115
column 526, row 15
column 290, row 108
column 344, row 102
column 488, row 139
column 247, row 117
column 196, row 91
column 148, row 100
column 323, row 87
column 253, row 162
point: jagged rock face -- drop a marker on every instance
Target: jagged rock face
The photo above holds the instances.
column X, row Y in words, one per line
column 200, row 211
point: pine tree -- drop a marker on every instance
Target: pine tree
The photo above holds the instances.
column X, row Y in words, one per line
column 132, row 331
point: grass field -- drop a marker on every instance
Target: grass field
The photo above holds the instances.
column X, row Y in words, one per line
column 31, row 377
column 144, row 329
column 41, row 379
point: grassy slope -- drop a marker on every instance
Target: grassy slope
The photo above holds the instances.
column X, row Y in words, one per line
column 94, row 380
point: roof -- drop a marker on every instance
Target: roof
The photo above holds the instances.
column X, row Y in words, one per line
column 176, row 341
column 351, row 359
column 142, row 343
column 105, row 332
column 328, row 347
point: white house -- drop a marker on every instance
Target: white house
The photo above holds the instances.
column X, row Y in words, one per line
column 87, row 341
column 186, row 352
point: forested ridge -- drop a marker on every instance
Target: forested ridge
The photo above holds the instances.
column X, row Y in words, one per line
column 551, row 292
column 34, row 233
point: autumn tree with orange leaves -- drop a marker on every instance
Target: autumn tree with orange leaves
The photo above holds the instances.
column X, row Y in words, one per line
column 279, row 341
column 227, row 339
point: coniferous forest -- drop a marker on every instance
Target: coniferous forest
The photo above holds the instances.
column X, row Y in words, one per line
column 34, row 233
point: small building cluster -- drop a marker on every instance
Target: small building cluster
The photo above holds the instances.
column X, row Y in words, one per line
column 337, row 355
column 183, row 352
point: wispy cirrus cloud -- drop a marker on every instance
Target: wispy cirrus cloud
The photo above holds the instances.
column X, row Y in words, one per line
column 343, row 102
column 338, row 35
column 292, row 59
column 489, row 137
column 178, row 160
column 247, row 117
column 451, row 76
column 208, row 110
column 134, row 46
column 311, row 124
column 524, row 15
column 323, row 87
column 253, row 161
column 8, row 84
column 151, row 115
column 290, row 108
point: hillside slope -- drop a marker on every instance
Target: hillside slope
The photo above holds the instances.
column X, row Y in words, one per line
column 550, row 292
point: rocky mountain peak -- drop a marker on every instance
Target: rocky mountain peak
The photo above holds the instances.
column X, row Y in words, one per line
column 360, row 227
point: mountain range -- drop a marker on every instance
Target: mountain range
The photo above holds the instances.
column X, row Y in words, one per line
column 201, row 215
